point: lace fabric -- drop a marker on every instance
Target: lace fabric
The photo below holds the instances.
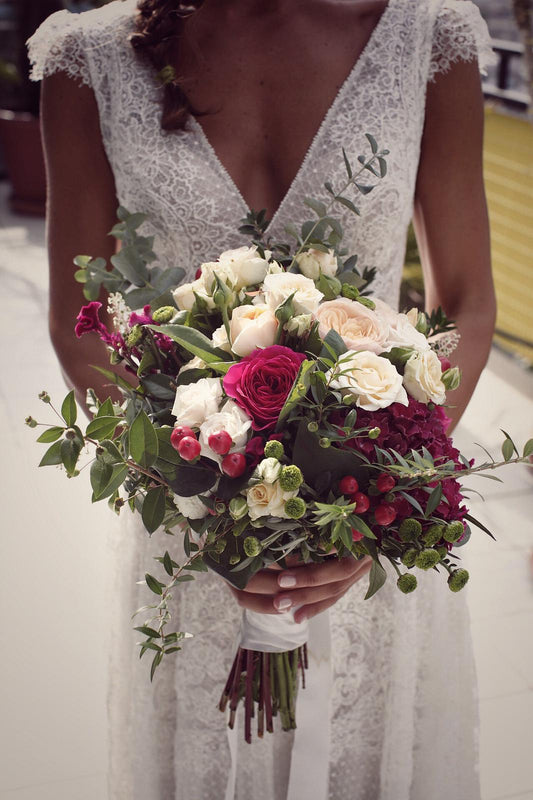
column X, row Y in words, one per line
column 395, row 734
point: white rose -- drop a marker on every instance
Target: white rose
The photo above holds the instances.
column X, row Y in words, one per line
column 231, row 419
column 190, row 507
column 412, row 316
column 252, row 326
column 194, row 363
column 373, row 380
column 313, row 262
column 248, row 267
column 195, row 402
column 423, row 378
column 299, row 324
column 278, row 287
column 360, row 327
column 184, row 294
column 403, row 334
column 268, row 470
column 267, row 499
column 220, row 339
column 224, row 272
column 274, row 268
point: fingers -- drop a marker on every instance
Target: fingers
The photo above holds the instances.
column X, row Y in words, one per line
column 262, row 603
column 330, row 571
column 317, row 606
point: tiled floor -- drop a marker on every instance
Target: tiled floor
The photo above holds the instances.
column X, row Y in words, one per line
column 56, row 574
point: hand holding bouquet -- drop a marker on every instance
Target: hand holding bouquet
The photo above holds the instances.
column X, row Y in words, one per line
column 277, row 410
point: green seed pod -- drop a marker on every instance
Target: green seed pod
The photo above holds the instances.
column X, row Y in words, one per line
column 220, row 546
column 454, row 531
column 433, row 534
column 290, row 478
column 30, row 422
column 325, row 442
column 410, row 529
column 44, row 396
column 70, row 433
column 135, row 336
column 274, row 449
column 427, row 559
column 409, row 557
column 220, row 508
column 349, row 291
column 252, row 546
column 312, row 427
column 458, row 579
column 234, row 559
column 295, row 507
column 163, row 314
column 406, row 583
column 373, row 433
column 366, row 301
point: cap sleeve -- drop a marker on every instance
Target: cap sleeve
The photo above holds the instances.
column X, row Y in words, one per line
column 460, row 34
column 58, row 46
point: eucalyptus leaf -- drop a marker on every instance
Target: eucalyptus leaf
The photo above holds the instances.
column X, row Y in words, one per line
column 101, row 473
column 52, row 456
column 69, row 412
column 153, row 510
column 143, row 441
column 377, row 578
column 51, row 435
column 70, row 451
column 102, row 427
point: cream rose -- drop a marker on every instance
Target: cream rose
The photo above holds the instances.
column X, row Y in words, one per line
column 266, row 499
column 268, row 470
column 184, row 294
column 252, row 326
column 373, row 380
column 190, row 507
column 314, row 262
column 231, row 419
column 423, row 378
column 277, row 288
column 220, row 339
column 247, row 266
column 224, row 272
column 360, row 327
column 403, row 334
column 195, row 402
column 194, row 363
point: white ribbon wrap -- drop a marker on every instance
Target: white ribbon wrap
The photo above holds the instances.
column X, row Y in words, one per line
column 271, row 633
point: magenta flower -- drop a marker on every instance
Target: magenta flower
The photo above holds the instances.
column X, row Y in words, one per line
column 261, row 382
column 87, row 319
column 141, row 319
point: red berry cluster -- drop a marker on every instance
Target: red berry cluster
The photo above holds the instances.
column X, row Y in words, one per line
column 184, row 440
column 384, row 513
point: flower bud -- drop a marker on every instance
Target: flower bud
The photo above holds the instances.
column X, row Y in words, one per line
column 44, row 396
column 135, row 336
column 410, row 529
column 269, row 470
column 433, row 534
column 421, row 323
column 325, row 442
column 458, row 579
column 220, row 507
column 234, row 559
column 454, row 531
column 427, row 559
column 290, row 478
column 299, row 324
column 220, row 546
column 451, row 378
column 409, row 557
column 114, row 357
column 238, row 508
column 285, row 311
column 70, row 433
column 274, row 449
column 374, row 433
column 295, row 507
column 312, row 427
column 252, row 546
column 163, row 314
column 349, row 291
column 366, row 301
column 406, row 583
column 30, row 422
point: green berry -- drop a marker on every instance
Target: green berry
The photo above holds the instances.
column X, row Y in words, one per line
column 406, row 583
column 274, row 449
column 31, row 422
column 409, row 557
column 163, row 314
column 220, row 546
column 234, row 559
column 290, row 478
column 458, row 579
column 410, row 529
column 295, row 507
column 373, row 433
column 252, row 546
column 325, row 442
column 433, row 534
column 454, row 531
column 427, row 559
column 312, row 427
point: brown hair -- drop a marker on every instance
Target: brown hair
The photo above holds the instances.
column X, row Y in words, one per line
column 159, row 25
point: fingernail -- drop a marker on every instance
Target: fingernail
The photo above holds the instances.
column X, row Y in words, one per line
column 286, row 581
column 283, row 603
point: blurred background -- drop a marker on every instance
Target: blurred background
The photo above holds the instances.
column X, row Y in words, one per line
column 58, row 553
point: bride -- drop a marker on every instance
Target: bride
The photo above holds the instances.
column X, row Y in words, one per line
column 194, row 113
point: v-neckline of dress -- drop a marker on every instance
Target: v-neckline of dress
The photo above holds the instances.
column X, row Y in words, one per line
column 225, row 175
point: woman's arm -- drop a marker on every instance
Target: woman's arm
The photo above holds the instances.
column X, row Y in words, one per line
column 451, row 221
column 81, row 211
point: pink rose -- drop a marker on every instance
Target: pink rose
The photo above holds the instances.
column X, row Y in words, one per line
column 261, row 382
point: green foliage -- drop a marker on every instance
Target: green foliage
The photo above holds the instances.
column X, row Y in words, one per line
column 143, row 441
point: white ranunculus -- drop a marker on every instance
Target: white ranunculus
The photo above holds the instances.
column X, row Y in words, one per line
column 195, row 402
column 252, row 326
column 423, row 378
column 231, row 419
column 267, row 499
column 268, row 470
column 299, row 324
column 184, row 294
column 360, row 327
column 190, row 507
column 194, row 363
column 220, row 339
column 248, row 267
column 277, row 288
column 313, row 262
column 373, row 380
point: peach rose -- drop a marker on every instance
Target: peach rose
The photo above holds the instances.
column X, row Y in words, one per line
column 360, row 327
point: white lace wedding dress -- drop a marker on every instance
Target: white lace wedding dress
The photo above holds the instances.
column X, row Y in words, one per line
column 403, row 708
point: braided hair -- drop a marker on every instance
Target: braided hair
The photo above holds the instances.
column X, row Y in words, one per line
column 159, row 25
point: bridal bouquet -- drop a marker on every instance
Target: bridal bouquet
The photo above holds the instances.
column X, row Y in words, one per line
column 276, row 409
